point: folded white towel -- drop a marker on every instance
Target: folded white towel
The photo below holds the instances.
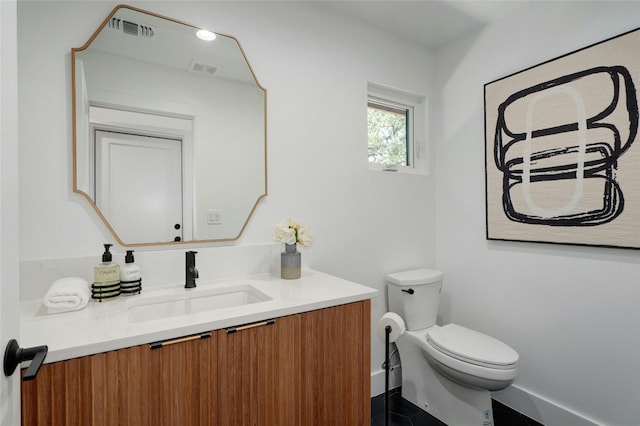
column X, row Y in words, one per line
column 67, row 294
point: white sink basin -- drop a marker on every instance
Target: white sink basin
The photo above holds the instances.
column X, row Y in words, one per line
column 192, row 301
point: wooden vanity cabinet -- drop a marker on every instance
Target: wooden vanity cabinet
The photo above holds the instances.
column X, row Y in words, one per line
column 172, row 385
column 304, row 369
column 336, row 365
column 259, row 380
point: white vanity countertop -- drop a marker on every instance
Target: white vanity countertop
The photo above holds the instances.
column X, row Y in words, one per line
column 105, row 326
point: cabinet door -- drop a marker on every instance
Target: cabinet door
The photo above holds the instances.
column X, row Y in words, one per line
column 172, row 385
column 259, row 374
column 336, row 365
column 307, row 369
column 183, row 383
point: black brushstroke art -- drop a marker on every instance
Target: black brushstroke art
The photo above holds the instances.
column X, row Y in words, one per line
column 572, row 158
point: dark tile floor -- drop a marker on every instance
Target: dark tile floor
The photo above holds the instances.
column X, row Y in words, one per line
column 401, row 412
column 404, row 413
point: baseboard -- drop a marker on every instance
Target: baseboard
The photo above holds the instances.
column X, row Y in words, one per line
column 377, row 381
column 541, row 409
column 515, row 397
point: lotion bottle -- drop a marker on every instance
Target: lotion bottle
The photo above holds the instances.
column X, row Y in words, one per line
column 130, row 280
column 106, row 277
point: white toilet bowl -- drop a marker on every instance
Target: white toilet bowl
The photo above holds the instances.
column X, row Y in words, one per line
column 448, row 371
column 454, row 387
column 470, row 358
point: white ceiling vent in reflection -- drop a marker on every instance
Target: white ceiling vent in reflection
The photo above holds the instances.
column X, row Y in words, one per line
column 132, row 28
column 202, row 68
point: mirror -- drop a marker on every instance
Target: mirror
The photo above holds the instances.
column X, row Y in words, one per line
column 169, row 131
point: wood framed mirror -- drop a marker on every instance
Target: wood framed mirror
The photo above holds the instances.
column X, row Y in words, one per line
column 169, row 130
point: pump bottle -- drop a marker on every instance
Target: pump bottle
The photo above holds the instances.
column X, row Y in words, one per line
column 130, row 280
column 106, row 277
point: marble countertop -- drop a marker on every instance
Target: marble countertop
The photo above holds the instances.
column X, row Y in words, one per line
column 109, row 325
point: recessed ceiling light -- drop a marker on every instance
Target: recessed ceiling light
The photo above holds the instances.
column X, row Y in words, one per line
column 206, row 35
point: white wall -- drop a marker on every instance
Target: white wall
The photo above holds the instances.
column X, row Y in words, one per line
column 315, row 67
column 571, row 312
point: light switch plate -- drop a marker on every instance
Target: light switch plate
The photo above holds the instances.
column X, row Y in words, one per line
column 213, row 217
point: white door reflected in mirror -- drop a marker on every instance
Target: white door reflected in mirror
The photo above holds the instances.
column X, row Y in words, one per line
column 139, row 185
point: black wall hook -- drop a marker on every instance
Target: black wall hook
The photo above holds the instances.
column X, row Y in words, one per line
column 14, row 355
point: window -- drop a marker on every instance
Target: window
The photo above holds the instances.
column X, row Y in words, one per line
column 395, row 129
column 389, row 128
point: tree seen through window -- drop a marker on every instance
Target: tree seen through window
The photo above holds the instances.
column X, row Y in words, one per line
column 387, row 131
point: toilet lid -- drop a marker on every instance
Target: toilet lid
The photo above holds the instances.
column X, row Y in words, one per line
column 471, row 346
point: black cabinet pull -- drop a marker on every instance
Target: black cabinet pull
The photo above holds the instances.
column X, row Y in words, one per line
column 163, row 343
column 230, row 330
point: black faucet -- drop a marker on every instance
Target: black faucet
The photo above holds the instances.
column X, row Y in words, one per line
column 191, row 272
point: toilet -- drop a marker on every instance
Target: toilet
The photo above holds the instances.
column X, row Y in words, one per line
column 448, row 371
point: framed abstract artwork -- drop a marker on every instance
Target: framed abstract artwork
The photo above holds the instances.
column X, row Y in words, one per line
column 562, row 155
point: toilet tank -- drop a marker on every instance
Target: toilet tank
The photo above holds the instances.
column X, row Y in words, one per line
column 415, row 296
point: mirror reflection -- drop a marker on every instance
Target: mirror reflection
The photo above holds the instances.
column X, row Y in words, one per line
column 169, row 130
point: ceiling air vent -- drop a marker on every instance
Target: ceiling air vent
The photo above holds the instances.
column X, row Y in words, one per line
column 132, row 28
column 200, row 68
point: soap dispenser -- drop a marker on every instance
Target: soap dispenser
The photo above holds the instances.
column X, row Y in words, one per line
column 130, row 280
column 106, row 278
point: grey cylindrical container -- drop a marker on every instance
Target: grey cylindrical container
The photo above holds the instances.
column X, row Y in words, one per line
column 290, row 262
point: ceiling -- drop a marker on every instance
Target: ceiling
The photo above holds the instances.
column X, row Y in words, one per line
column 431, row 23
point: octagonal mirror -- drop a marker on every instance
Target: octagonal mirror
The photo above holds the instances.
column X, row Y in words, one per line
column 169, row 130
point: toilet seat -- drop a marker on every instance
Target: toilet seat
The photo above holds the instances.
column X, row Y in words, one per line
column 472, row 347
